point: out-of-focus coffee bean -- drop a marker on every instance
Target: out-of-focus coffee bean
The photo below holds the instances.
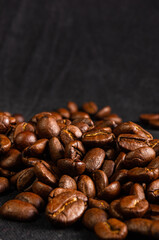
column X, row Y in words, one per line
column 140, row 226
column 90, row 107
column 64, row 112
column 4, row 185
column 19, row 117
column 72, row 107
column 104, row 112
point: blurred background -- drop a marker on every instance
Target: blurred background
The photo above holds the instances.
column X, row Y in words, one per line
column 95, row 50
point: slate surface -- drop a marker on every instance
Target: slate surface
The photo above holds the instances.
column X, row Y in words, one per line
column 55, row 51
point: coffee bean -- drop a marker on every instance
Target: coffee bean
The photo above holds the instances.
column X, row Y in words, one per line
column 31, row 198
column 25, row 139
column 70, row 133
column 23, row 127
column 74, row 150
column 72, row 106
column 67, row 182
column 155, row 229
column 114, row 209
column 153, row 191
column 90, row 107
column 5, row 144
column 56, row 149
column 110, row 192
column 19, row 117
column 137, row 190
column 130, row 142
column 94, row 159
column 112, row 229
column 140, row 226
column 36, row 149
column 108, row 167
column 146, row 175
column 64, row 112
column 96, row 203
column 155, row 145
column 104, row 112
column 11, row 160
column 119, row 161
column 41, row 189
column 93, row 216
column 4, row 123
column 18, row 210
column 25, row 179
column 146, row 117
column 4, row 185
column 71, row 167
column 101, row 180
column 86, row 185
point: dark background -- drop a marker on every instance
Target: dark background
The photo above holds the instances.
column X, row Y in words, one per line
column 55, row 51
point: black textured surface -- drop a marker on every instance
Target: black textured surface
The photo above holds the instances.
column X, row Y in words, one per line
column 55, row 51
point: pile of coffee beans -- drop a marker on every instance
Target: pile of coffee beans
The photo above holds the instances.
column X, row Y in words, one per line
column 81, row 165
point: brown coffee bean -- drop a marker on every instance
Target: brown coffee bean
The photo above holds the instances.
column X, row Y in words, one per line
column 56, row 116
column 93, row 216
column 19, row 117
column 155, row 145
column 96, row 203
column 140, row 226
column 87, row 121
column 119, row 161
column 25, row 179
column 4, row 185
column 101, row 180
column 108, row 167
column 125, row 188
column 23, row 127
column 146, row 175
column 114, row 209
column 155, row 229
column 56, row 149
column 110, row 154
column 67, row 182
column 78, row 114
column 72, row 106
column 146, row 117
column 104, row 112
column 31, row 198
column 110, row 192
column 5, row 144
column 4, row 123
column 45, row 174
column 112, row 229
column 29, row 162
column 47, row 127
column 154, row 123
column 65, row 209
column 105, row 123
column 132, row 128
column 154, row 163
column 63, row 123
column 86, row 185
column 40, row 115
column 18, row 210
column 120, row 176
column 6, row 173
column 138, row 191
column 25, row 139
column 130, row 142
column 11, row 160
column 94, row 159
column 98, row 138
column 70, row 133
column 74, row 150
column 37, row 149
column 153, row 191
column 41, row 189
column 139, row 157
column 90, row 107
column 132, row 207
column 64, row 112
column 71, row 167
column 113, row 117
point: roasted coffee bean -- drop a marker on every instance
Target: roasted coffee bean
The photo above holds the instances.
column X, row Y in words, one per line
column 63, row 123
column 146, row 175
column 25, row 179
column 153, row 191
column 41, row 189
column 40, row 115
column 139, row 157
column 65, row 209
column 154, row 211
column 105, row 123
column 155, row 229
column 45, row 174
column 130, row 142
column 30, row 162
column 96, row 203
column 110, row 192
column 94, row 159
column 18, row 210
column 114, row 209
column 82, row 126
column 146, row 117
column 112, row 229
column 132, row 128
column 4, row 123
column 125, row 188
column 86, row 185
column 93, row 216
column 5, row 144
column 104, row 112
column 47, row 127
column 31, row 198
column 120, row 176
column 78, row 114
column 58, row 191
column 56, row 149
column 72, row 106
column 64, row 112
column 113, row 117
column 119, row 161
column 71, row 167
column 154, row 123
column 56, row 116
column 90, row 107
column 98, row 138
column 19, row 117
column 108, row 167
column 6, row 173
column 25, row 139
column 100, row 179
column 37, row 149
column 4, row 185
column 11, row 160
column 137, row 190
column 154, row 163
column 132, row 207
column 23, row 127
column 140, row 226
column 70, row 133
column 74, row 150
column 110, row 154
column 87, row 121
column 155, row 145
column 67, row 182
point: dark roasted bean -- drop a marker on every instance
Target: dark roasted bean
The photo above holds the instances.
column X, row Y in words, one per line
column 4, row 185
column 71, row 167
column 86, row 185
column 130, row 142
column 56, row 149
column 94, row 159
column 67, row 182
column 96, row 203
column 90, row 107
column 108, row 167
column 32, row 198
column 140, row 226
column 74, row 150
